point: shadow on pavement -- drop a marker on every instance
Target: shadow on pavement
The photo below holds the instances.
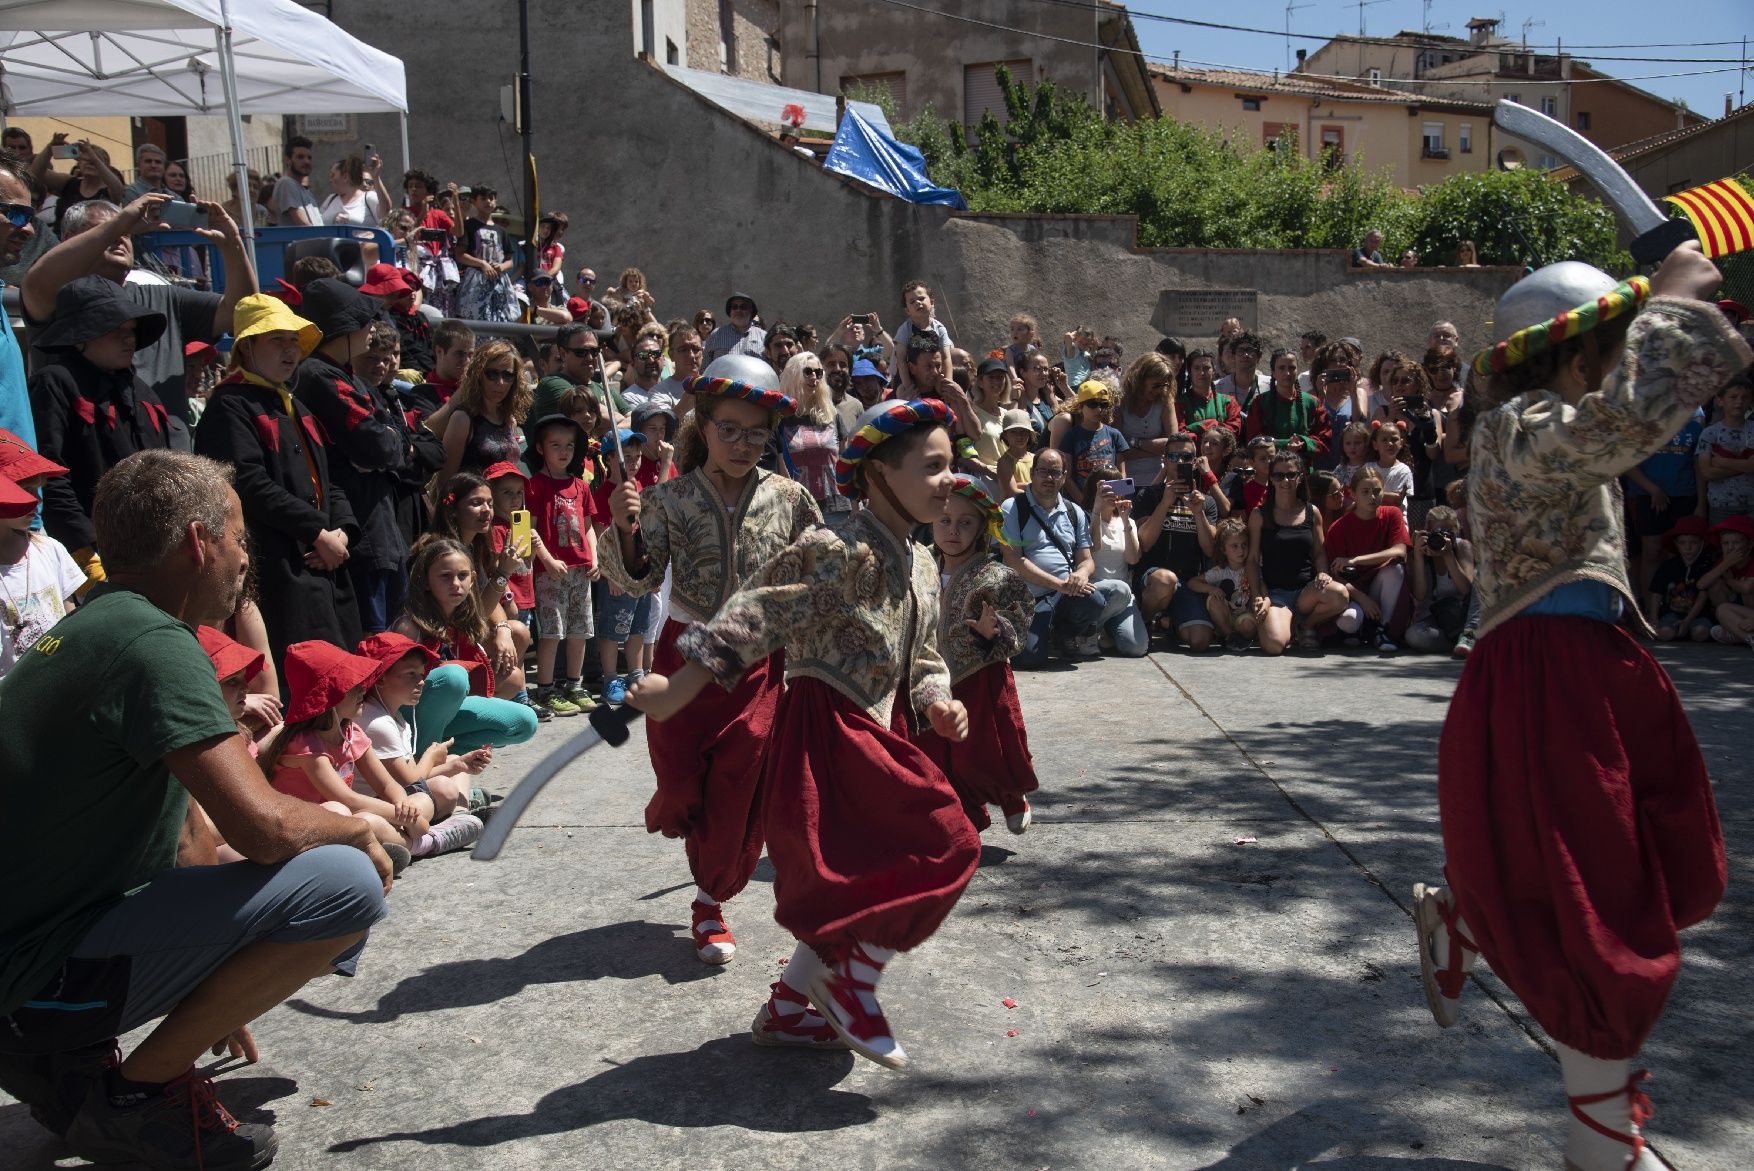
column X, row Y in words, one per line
column 631, row 950
column 779, row 1092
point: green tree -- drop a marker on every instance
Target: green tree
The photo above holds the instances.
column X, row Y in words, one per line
column 1514, row 217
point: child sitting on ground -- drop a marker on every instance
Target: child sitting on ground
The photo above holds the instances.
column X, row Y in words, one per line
column 234, row 665
column 38, row 577
column 1730, row 586
column 322, row 748
column 1226, row 585
column 563, row 514
column 1675, row 602
column 389, row 725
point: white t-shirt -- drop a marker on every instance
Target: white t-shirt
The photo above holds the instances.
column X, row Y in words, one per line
column 362, row 209
column 33, row 595
column 1397, row 478
column 392, row 737
column 1239, row 595
column 1111, row 559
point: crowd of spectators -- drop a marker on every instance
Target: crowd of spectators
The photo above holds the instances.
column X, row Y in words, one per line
column 384, row 524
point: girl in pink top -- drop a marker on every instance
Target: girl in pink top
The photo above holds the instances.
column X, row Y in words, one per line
column 322, row 749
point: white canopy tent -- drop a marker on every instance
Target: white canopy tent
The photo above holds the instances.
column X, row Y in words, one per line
column 181, row 57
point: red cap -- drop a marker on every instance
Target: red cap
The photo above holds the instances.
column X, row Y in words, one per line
column 1736, row 524
column 1687, row 526
column 386, row 280
column 229, row 655
column 504, row 468
column 205, row 350
column 578, row 307
column 320, row 674
column 390, row 648
column 19, row 461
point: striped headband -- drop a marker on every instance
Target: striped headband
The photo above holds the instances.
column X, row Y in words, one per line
column 1524, row 344
column 897, row 417
column 767, row 400
column 971, row 490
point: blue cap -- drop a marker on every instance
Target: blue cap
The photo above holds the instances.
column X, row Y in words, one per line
column 627, row 435
column 865, row 368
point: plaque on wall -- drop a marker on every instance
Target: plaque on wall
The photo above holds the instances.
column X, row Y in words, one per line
column 1200, row 312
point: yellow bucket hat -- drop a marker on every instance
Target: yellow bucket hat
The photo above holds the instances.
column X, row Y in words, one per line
column 260, row 313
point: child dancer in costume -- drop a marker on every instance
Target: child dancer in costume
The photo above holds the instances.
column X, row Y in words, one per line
column 869, row 842
column 711, row 528
column 1578, row 821
column 986, row 610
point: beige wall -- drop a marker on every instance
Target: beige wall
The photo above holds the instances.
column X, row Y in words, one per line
column 1375, row 135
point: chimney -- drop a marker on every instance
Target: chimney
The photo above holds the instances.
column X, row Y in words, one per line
column 1727, row 106
column 1302, row 58
column 1178, row 60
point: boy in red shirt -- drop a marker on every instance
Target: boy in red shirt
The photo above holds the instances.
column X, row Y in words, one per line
column 563, row 516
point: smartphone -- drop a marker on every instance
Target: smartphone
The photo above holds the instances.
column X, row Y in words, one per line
column 66, row 152
column 183, row 216
column 521, row 532
column 861, row 319
column 1122, row 487
column 1184, row 472
column 434, row 235
column 366, row 151
column 1414, row 402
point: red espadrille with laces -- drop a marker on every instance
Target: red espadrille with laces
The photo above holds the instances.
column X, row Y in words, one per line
column 713, row 941
column 846, row 996
column 1638, row 1112
column 1443, row 983
column 788, row 1021
column 183, row 1127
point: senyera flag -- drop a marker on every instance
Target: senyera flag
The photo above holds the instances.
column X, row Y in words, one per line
column 1722, row 214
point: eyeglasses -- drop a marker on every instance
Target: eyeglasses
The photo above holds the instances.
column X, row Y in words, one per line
column 499, row 375
column 812, row 372
column 1287, row 477
column 17, row 214
column 1049, row 474
column 733, row 435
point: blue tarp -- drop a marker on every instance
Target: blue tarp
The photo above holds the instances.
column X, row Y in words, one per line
column 862, row 151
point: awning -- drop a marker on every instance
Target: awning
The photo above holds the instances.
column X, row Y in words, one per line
column 160, row 57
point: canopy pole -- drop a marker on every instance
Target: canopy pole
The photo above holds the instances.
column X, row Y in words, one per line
column 240, row 168
column 407, row 156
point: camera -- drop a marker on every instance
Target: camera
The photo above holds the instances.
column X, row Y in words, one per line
column 1413, row 402
column 434, row 235
column 1226, row 587
column 1331, row 376
column 1184, row 472
column 1437, row 540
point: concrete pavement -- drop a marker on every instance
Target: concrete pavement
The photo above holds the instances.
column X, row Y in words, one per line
column 1185, row 998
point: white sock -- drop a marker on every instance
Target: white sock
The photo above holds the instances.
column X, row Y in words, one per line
column 1351, row 620
column 1590, row 1150
column 700, row 896
column 805, row 967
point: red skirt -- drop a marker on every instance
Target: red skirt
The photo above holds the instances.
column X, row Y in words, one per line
column 868, row 840
column 1578, row 826
column 992, row 766
column 709, row 766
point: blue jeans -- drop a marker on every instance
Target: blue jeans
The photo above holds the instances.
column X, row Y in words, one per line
column 1108, row 609
column 446, row 710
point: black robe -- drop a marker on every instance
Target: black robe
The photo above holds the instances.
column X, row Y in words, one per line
column 88, row 420
column 247, row 426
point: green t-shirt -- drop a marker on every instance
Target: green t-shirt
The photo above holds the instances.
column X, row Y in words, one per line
column 547, row 399
column 87, row 716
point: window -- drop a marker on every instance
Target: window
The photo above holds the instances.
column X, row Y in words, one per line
column 727, row 37
column 672, row 55
column 1334, row 146
column 1547, row 162
column 980, row 89
column 1271, row 132
column 1550, row 106
column 1583, row 119
column 1376, row 77
column 1251, row 103
column 893, row 84
column 1465, row 138
column 1432, row 145
column 1517, row 98
column 647, row 19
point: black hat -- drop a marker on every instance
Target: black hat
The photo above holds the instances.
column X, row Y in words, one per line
column 337, row 308
column 91, row 306
column 992, row 366
column 534, row 430
column 648, row 411
column 753, row 308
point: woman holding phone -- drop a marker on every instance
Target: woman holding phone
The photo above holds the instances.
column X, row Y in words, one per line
column 1114, row 544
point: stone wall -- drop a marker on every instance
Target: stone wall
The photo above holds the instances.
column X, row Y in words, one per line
column 653, row 175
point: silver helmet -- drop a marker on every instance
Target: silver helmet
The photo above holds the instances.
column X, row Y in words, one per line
column 1546, row 293
column 744, row 368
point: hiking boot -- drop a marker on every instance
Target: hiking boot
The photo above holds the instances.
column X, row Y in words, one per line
column 183, row 1126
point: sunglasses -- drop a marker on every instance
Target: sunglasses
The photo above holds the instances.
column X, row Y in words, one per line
column 587, row 280
column 582, row 350
column 650, row 355
column 17, row 214
column 499, row 375
column 812, row 372
column 1287, row 477
column 742, row 307
column 709, row 321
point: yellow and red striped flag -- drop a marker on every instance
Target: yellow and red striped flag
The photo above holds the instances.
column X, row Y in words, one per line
column 1722, row 213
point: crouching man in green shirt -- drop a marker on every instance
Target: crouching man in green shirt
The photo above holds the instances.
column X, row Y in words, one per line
column 99, row 932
